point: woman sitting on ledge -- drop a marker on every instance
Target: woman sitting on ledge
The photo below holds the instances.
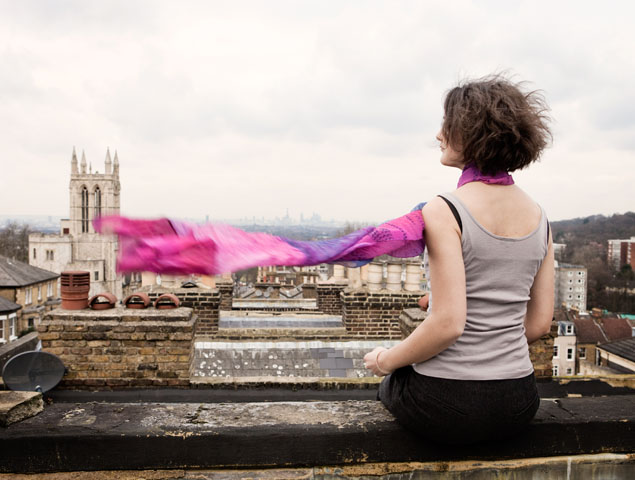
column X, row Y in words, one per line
column 464, row 375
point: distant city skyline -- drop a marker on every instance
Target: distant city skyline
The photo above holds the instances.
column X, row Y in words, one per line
column 244, row 109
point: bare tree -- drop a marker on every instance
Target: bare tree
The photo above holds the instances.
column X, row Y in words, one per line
column 14, row 241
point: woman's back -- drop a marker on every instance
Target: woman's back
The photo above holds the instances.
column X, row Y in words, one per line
column 504, row 210
column 501, row 258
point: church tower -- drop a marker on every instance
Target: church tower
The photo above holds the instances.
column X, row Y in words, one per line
column 78, row 246
column 92, row 194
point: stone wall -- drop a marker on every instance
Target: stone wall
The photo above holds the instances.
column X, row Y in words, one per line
column 121, row 348
column 540, row 352
column 375, row 314
column 205, row 303
column 328, row 297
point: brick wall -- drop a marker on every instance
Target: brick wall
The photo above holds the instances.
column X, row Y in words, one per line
column 121, row 348
column 540, row 352
column 375, row 314
column 328, row 297
column 204, row 302
column 226, row 290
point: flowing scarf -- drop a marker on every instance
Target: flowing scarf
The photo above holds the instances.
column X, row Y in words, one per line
column 172, row 246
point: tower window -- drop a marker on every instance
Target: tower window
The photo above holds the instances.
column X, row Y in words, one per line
column 97, row 202
column 84, row 210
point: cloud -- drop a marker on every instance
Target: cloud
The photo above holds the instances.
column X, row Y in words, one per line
column 246, row 108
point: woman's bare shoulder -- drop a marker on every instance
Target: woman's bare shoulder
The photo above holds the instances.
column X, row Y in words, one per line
column 437, row 214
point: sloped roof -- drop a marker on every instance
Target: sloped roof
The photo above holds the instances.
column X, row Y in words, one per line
column 616, row 328
column 588, row 331
column 7, row 306
column 19, row 274
column 624, row 348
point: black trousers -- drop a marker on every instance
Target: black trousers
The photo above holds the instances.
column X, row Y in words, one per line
column 459, row 411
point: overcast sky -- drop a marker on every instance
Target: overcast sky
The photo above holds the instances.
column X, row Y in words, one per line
column 240, row 109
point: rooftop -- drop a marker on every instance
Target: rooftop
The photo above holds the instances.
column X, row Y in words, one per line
column 7, row 306
column 101, row 436
column 14, row 274
column 588, row 331
column 624, row 348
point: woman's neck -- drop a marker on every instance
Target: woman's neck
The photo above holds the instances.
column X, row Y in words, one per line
column 472, row 174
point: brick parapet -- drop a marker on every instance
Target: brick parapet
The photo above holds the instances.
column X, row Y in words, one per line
column 540, row 352
column 226, row 290
column 205, row 303
column 328, row 297
column 121, row 348
column 375, row 314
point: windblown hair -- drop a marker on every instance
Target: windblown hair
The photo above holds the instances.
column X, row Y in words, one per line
column 495, row 125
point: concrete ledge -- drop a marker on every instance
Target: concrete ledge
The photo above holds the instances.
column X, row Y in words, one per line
column 16, row 406
column 107, row 436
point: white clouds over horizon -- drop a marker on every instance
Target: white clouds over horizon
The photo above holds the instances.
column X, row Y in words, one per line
column 240, row 109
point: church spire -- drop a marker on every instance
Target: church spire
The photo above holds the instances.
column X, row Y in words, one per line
column 74, row 162
column 83, row 164
column 108, row 163
column 116, row 170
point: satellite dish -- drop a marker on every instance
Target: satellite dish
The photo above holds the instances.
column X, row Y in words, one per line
column 33, row 372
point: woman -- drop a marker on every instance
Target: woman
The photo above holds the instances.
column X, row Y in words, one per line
column 464, row 374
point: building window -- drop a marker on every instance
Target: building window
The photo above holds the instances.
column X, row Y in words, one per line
column 580, row 280
column 12, row 319
column 598, row 358
column 569, row 371
column 50, row 255
column 570, row 273
column 96, row 276
column 97, row 202
column 49, row 290
column 39, row 293
column 34, row 254
column 28, row 295
column 31, row 322
column 570, row 280
column 65, row 231
column 555, row 351
column 569, row 329
column 3, row 321
column 555, row 370
column 569, row 297
column 570, row 353
column 582, row 351
column 84, row 210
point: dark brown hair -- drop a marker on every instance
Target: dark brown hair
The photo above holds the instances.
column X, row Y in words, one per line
column 495, row 125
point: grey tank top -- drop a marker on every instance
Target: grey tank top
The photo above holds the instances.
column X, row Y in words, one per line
column 499, row 273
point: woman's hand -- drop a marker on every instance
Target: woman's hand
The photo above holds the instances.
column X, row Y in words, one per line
column 371, row 362
column 424, row 302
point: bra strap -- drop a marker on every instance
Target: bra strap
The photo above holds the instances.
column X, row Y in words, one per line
column 454, row 212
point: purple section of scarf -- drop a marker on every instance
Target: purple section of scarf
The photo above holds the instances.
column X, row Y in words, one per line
column 472, row 174
column 179, row 247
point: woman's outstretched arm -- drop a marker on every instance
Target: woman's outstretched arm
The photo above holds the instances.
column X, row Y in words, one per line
column 447, row 318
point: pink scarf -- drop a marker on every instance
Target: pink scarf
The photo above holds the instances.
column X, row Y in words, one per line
column 179, row 247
